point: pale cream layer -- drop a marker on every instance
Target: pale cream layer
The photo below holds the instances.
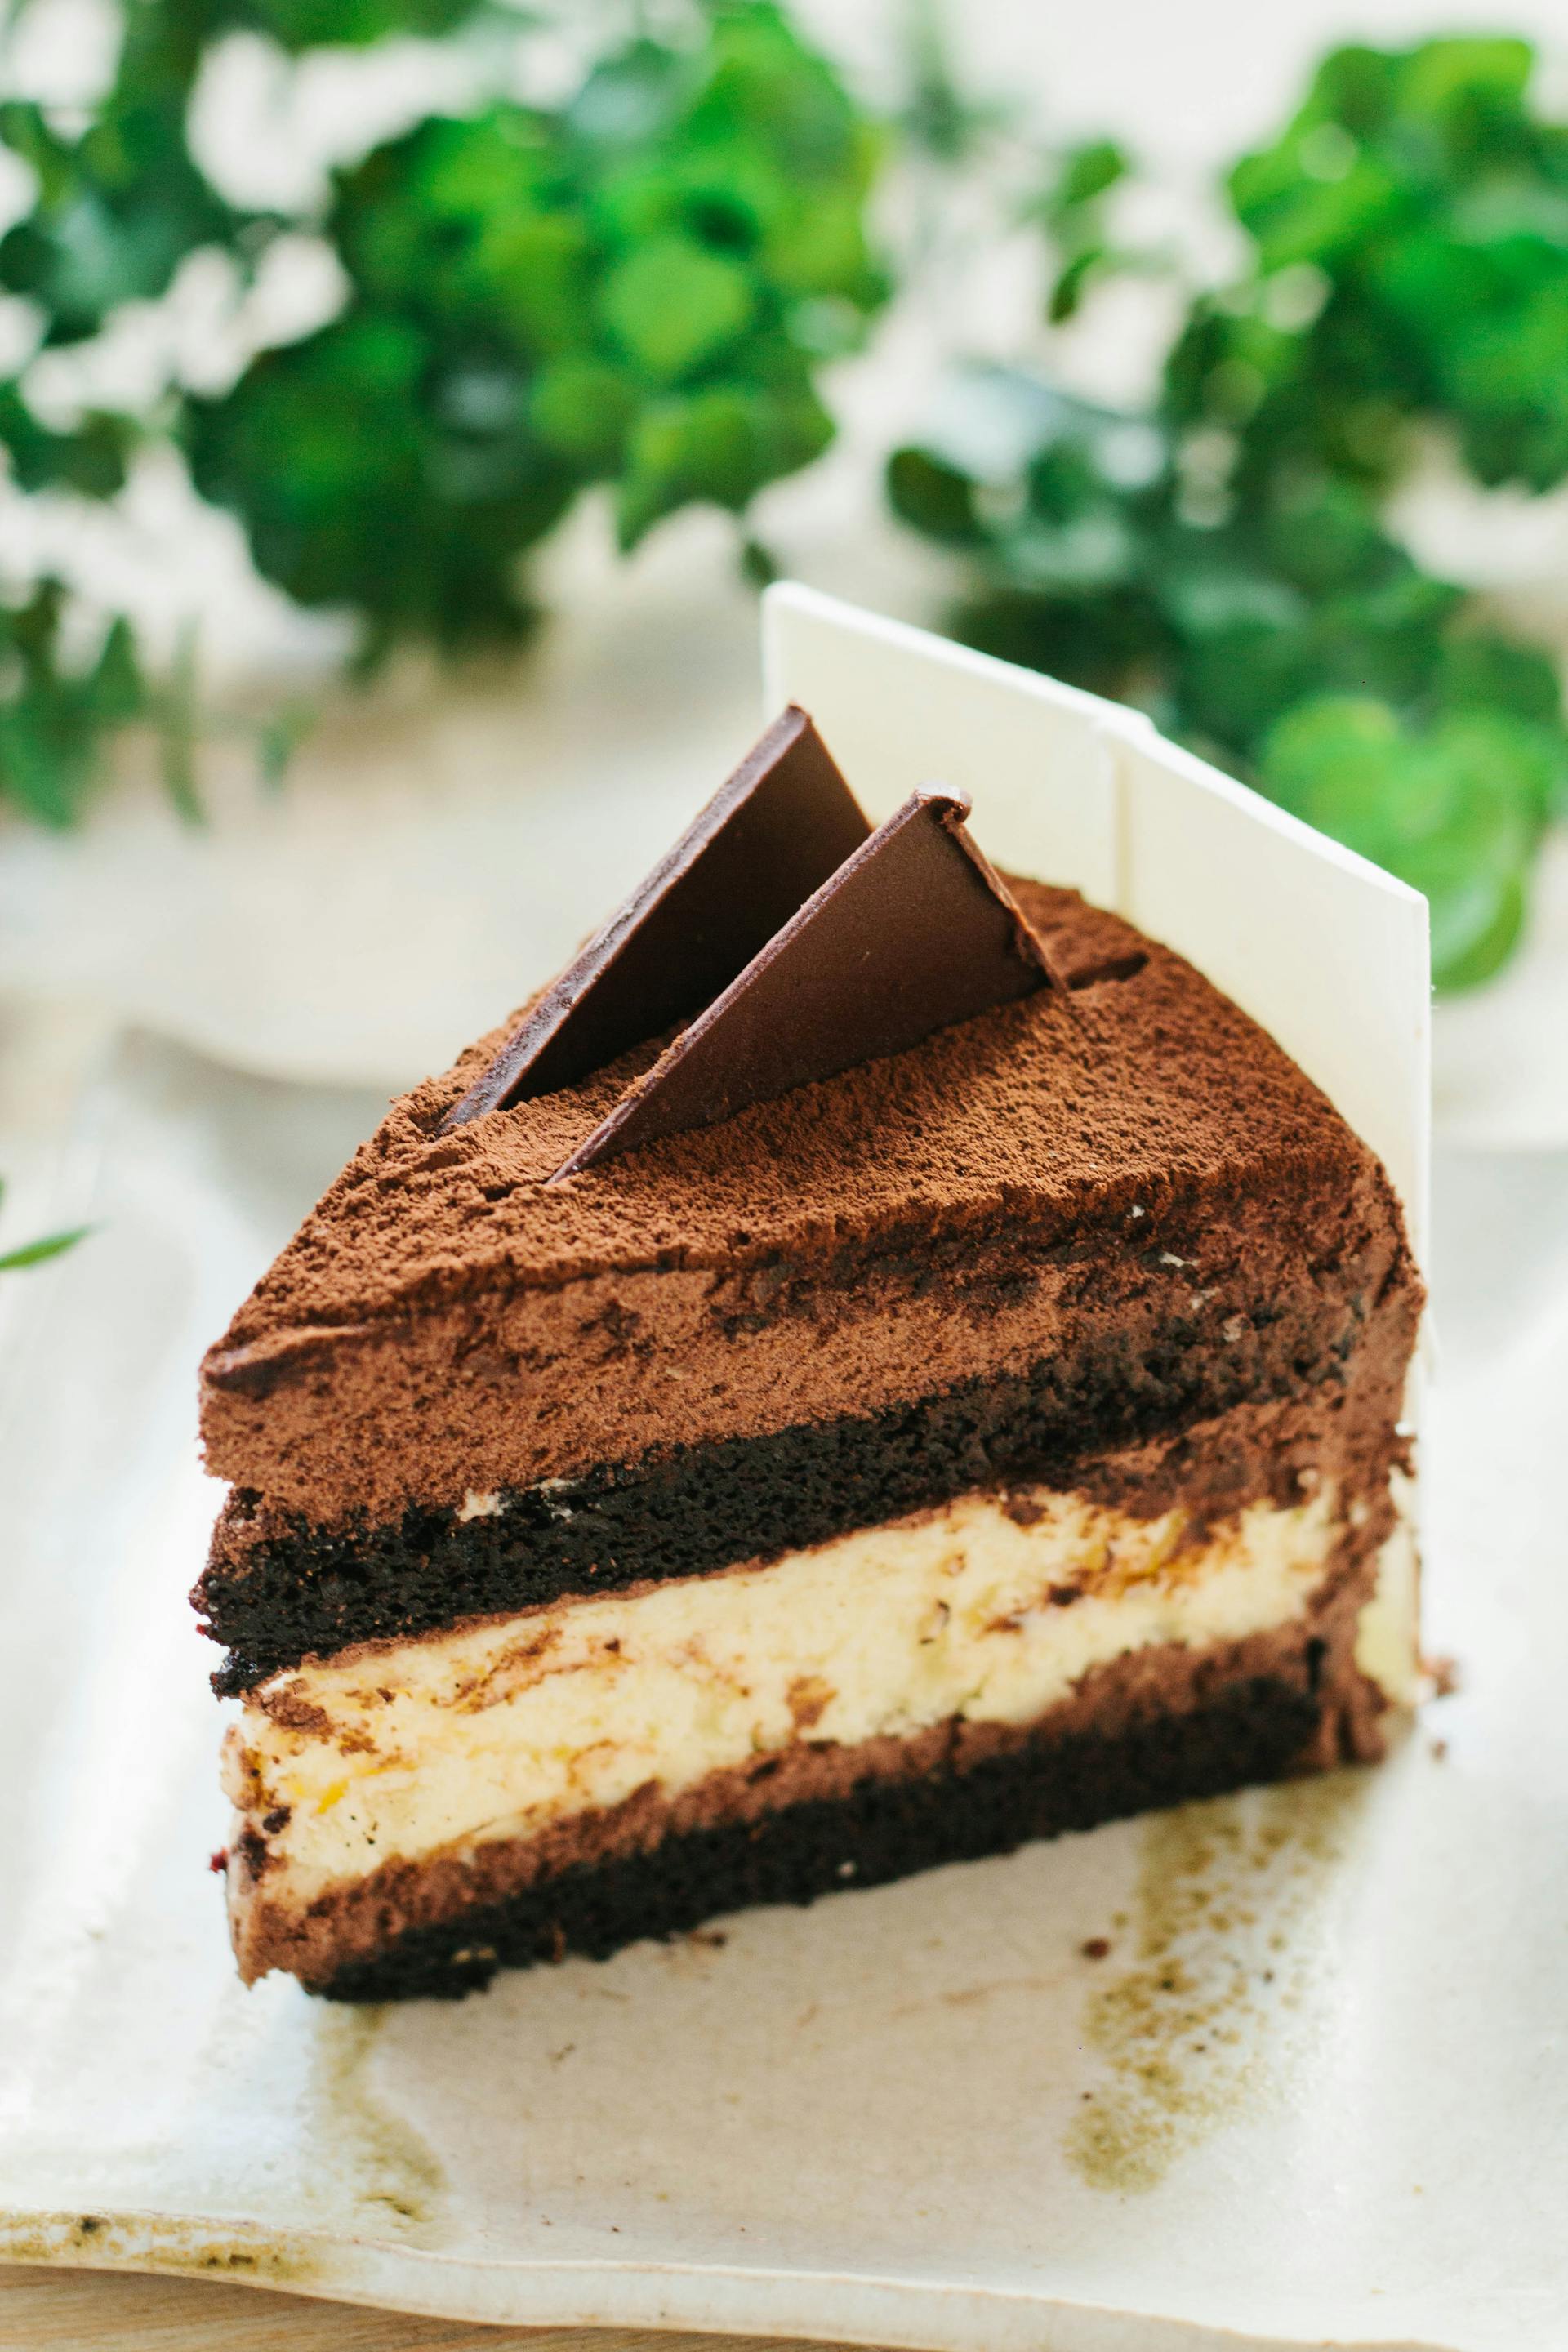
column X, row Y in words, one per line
column 1388, row 1629
column 977, row 1611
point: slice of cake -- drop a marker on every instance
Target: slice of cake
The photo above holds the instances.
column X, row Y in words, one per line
column 881, row 1363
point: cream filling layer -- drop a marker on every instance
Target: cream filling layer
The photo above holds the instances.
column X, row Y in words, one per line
column 976, row 1610
column 1388, row 1631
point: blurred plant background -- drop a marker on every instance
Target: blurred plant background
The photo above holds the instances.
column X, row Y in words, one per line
column 637, row 283
column 1224, row 558
column 635, row 286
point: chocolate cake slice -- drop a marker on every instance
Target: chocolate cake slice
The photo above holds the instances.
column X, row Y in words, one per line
column 966, row 1407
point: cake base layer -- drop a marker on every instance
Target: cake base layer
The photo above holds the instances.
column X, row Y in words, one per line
column 1261, row 1729
column 1150, row 1729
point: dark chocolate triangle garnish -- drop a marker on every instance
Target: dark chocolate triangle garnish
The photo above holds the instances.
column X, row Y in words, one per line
column 768, row 838
column 913, row 933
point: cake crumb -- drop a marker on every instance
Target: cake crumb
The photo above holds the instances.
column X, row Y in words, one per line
column 808, row 1699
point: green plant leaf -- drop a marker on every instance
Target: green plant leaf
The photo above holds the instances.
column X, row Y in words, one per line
column 935, row 497
column 1088, row 173
column 584, row 407
column 1479, row 670
column 1453, row 810
column 721, row 443
column 91, row 460
column 179, row 727
column 37, row 1252
column 279, row 739
column 308, row 23
column 672, row 304
column 56, row 719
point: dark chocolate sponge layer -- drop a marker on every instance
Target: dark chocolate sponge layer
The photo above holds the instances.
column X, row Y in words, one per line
column 1256, row 1730
column 277, row 1590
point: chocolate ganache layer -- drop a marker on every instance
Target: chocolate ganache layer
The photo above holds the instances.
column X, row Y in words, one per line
column 1099, row 1215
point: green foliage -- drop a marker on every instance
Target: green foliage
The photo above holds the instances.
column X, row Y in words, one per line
column 1454, row 806
column 306, row 24
column 1223, row 561
column 1435, row 206
column 1073, row 211
column 36, row 1253
column 120, row 204
column 54, row 716
column 941, row 123
column 635, row 288
column 91, row 459
column 59, row 706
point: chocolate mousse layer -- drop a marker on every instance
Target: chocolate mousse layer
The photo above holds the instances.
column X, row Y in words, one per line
column 1153, row 1728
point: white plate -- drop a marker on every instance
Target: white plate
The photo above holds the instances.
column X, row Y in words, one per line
column 1314, row 2093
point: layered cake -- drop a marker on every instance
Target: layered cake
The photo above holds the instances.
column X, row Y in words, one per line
column 881, row 1363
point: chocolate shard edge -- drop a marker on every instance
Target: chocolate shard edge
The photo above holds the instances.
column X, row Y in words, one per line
column 771, row 835
column 914, row 932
